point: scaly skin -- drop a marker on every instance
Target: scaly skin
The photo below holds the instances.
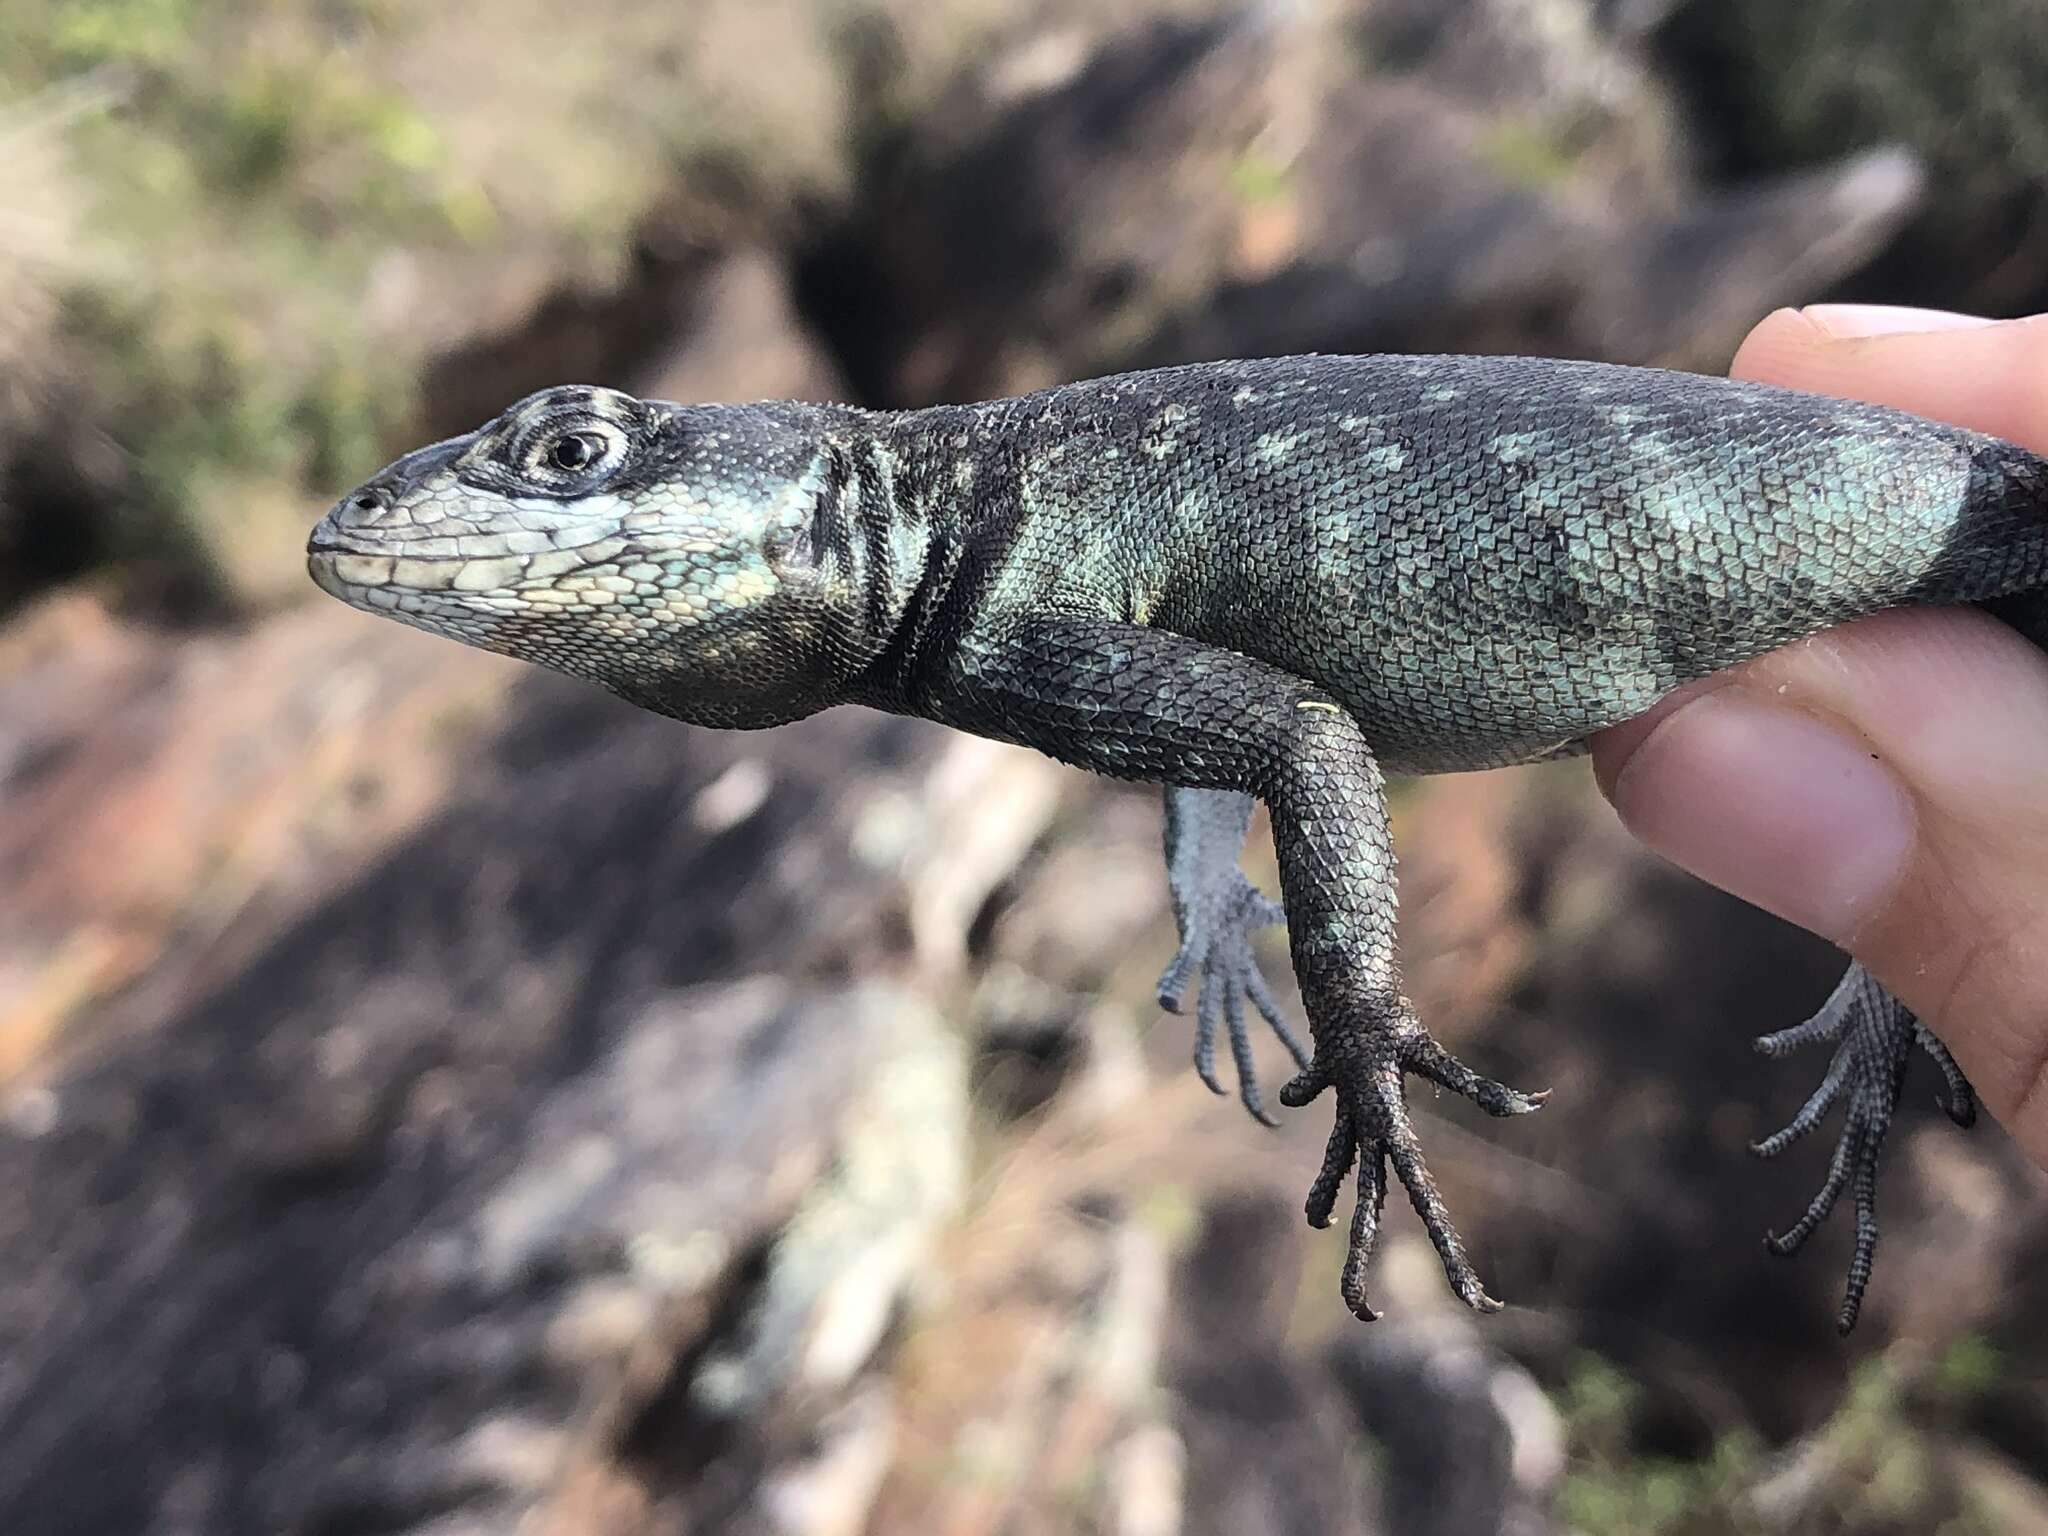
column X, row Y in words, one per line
column 1272, row 579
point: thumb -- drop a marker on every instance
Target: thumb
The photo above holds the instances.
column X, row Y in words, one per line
column 1884, row 784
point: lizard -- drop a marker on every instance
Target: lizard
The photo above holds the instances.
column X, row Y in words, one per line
column 1274, row 580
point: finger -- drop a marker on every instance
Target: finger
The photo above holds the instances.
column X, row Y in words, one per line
column 1989, row 375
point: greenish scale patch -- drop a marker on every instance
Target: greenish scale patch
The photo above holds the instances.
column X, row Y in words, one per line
column 1518, row 447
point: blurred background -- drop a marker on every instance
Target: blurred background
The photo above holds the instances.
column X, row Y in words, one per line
column 435, row 1098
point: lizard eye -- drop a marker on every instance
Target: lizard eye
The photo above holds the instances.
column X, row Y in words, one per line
column 576, row 453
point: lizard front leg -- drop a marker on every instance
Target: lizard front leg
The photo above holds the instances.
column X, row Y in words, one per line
column 1138, row 703
column 1217, row 910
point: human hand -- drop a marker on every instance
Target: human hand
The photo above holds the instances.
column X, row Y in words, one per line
column 1884, row 784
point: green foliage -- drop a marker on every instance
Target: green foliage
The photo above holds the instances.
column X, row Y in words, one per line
column 1869, row 1432
column 213, row 119
column 87, row 33
column 1169, row 1213
column 1871, row 1467
column 1611, row 1490
column 1526, row 155
column 1970, row 1367
column 185, row 391
column 244, row 172
column 1598, row 1401
column 1257, row 178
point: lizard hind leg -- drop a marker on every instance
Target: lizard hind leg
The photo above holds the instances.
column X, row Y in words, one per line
column 1873, row 1034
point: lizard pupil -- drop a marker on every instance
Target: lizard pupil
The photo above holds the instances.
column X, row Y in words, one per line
column 578, row 450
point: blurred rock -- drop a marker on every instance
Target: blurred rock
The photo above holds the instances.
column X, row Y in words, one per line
column 435, row 1103
column 1266, row 1436
column 1560, row 80
column 1690, row 287
column 690, row 320
column 174, row 799
column 1030, row 1396
column 1630, row 1205
column 1471, row 1445
column 742, row 341
column 1051, row 209
column 860, row 1240
column 1771, row 85
column 1432, row 224
column 1489, row 176
column 419, row 1211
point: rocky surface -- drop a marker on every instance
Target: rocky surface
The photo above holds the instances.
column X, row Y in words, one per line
column 444, row 1192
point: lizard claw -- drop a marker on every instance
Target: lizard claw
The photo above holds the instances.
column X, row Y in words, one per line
column 1218, row 948
column 1873, row 1034
column 1373, row 1130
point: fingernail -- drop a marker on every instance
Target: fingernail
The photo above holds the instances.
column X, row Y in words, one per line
column 1844, row 321
column 1768, row 802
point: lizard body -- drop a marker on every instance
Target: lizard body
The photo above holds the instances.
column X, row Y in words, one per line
column 1269, row 579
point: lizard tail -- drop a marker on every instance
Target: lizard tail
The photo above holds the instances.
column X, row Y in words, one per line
column 2010, row 511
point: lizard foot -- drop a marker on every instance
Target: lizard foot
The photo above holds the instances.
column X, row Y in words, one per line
column 1373, row 1129
column 1873, row 1034
column 1216, row 943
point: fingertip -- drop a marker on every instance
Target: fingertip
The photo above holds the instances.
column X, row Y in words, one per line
column 1776, row 346
column 1781, row 347
column 1988, row 375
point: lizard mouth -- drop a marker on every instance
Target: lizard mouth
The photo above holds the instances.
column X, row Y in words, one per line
column 341, row 567
column 344, row 573
column 386, row 573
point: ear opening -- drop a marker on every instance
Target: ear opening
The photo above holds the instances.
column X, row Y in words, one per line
column 802, row 538
column 796, row 542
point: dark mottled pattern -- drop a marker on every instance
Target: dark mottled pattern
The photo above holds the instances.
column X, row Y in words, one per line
column 1486, row 559
column 1266, row 579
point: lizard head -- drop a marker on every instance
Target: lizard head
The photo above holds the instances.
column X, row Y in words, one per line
column 691, row 558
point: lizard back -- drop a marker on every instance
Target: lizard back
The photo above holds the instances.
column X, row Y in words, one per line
column 1487, row 559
